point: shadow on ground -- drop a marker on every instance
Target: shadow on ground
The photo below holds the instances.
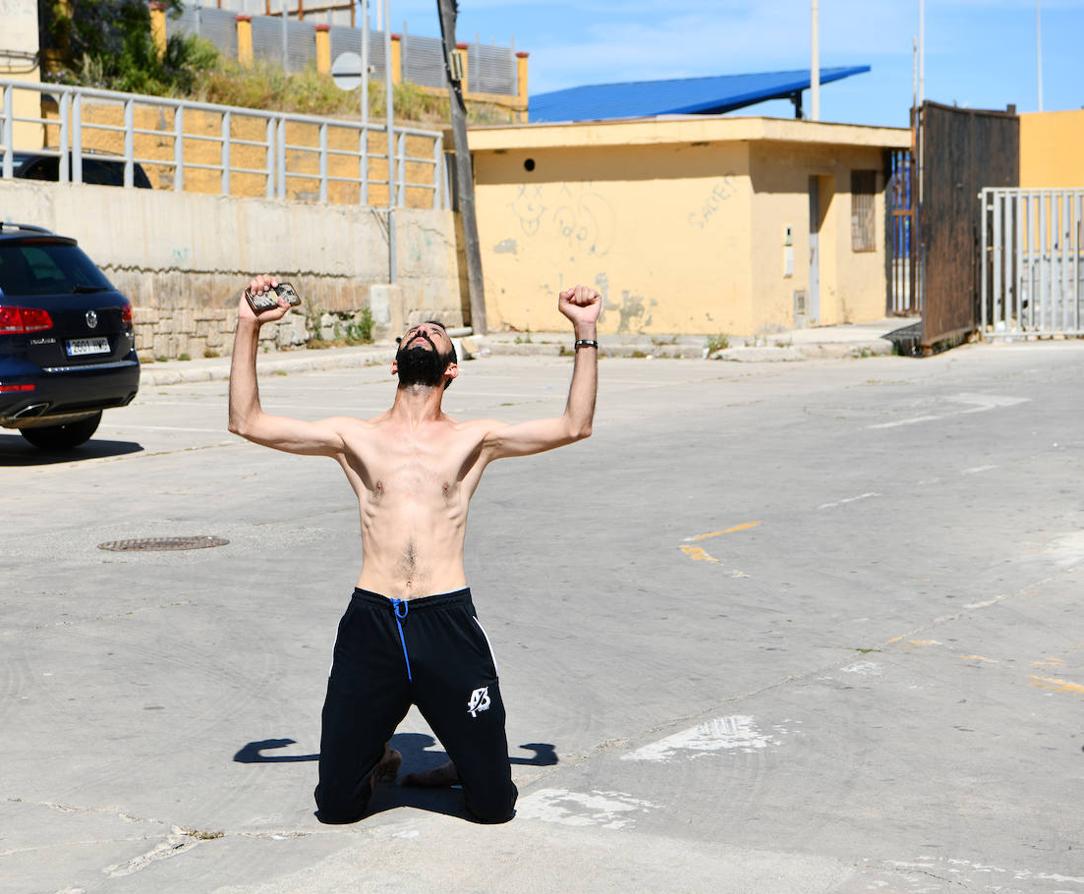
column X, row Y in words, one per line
column 419, row 755
column 414, row 747
column 15, row 451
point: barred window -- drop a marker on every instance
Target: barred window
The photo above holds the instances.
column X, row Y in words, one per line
column 863, row 221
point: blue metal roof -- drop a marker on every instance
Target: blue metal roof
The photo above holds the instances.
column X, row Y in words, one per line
column 679, row 96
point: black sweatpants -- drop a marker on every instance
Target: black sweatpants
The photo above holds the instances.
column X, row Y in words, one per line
column 390, row 654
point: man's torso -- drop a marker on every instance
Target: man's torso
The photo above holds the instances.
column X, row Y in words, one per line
column 414, row 488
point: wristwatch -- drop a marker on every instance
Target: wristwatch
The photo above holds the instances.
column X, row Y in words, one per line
column 585, row 343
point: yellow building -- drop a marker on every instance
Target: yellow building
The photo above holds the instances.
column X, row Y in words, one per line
column 690, row 225
column 1052, row 149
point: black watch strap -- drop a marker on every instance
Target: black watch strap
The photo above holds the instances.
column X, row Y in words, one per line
column 585, row 343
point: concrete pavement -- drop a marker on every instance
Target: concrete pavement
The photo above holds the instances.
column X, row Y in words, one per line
column 773, row 628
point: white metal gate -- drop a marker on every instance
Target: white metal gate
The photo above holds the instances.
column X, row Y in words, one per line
column 1031, row 262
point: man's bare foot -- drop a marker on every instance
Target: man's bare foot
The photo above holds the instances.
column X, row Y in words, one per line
column 438, row 777
column 388, row 768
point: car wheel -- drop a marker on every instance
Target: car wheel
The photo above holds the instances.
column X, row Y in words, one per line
column 62, row 437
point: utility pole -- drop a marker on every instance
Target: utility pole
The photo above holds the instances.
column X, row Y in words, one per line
column 918, row 254
column 464, row 175
column 921, row 51
column 284, row 10
column 389, row 105
column 365, row 102
column 365, row 68
column 814, row 64
column 914, row 72
column 1039, row 52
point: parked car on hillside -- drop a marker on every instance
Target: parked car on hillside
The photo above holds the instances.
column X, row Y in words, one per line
column 67, row 349
column 103, row 170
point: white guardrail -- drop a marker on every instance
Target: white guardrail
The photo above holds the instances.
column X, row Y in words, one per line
column 190, row 145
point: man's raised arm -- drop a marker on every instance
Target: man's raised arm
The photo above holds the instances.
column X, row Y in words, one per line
column 582, row 306
column 247, row 418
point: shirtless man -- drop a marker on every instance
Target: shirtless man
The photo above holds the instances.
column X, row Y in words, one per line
column 410, row 634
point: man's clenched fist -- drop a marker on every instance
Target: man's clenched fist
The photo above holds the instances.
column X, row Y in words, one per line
column 581, row 304
column 261, row 285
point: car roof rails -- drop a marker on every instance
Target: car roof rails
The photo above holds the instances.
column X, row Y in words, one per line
column 31, row 228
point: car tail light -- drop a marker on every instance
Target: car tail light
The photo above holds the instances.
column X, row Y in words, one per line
column 126, row 315
column 4, row 389
column 19, row 320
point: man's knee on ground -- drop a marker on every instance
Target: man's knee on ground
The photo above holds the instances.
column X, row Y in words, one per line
column 336, row 807
column 494, row 807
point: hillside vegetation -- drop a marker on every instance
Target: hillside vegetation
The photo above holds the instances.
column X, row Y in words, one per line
column 269, row 87
column 107, row 44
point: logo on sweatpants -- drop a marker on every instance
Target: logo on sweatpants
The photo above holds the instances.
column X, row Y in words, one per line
column 479, row 701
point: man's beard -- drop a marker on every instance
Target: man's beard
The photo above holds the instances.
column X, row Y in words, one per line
column 421, row 366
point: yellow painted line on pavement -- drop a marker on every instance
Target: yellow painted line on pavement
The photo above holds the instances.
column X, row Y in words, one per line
column 912, row 642
column 1050, row 662
column 744, row 526
column 1056, row 684
column 698, row 554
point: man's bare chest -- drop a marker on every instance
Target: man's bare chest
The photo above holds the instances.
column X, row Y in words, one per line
column 423, row 470
column 412, row 478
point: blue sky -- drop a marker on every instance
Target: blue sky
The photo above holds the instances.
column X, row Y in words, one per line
column 979, row 53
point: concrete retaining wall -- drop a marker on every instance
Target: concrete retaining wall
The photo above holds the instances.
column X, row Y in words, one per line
column 182, row 260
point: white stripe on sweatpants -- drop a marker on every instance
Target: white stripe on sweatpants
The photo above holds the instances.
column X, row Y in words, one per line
column 335, row 641
column 489, row 646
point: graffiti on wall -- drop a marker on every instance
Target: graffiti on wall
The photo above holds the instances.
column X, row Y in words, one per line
column 574, row 227
column 702, row 216
column 575, row 214
column 528, row 207
column 585, row 220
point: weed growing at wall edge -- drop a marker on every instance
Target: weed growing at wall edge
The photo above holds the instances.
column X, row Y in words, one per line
column 718, row 342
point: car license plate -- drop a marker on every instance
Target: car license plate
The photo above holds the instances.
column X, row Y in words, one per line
column 78, row 347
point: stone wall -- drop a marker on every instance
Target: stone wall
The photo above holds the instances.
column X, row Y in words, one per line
column 182, row 259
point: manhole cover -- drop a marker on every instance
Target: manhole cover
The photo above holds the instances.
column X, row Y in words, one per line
column 163, row 543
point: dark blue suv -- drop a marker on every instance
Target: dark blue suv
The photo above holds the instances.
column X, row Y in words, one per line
column 67, row 350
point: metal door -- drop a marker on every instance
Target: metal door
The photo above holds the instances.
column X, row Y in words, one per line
column 899, row 232
column 1032, row 262
column 962, row 152
column 813, row 308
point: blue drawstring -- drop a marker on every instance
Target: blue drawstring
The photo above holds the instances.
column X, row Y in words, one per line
column 399, row 618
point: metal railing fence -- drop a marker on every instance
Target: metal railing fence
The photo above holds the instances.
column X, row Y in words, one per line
column 330, row 12
column 348, row 40
column 492, row 69
column 1032, row 262
column 226, row 150
column 219, row 26
column 423, row 62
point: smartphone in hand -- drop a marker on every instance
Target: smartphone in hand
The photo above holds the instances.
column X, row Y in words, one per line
column 260, row 303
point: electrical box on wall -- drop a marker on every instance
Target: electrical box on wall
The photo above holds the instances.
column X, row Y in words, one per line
column 788, row 251
column 801, row 309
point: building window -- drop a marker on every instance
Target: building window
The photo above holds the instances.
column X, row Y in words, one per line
column 863, row 221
